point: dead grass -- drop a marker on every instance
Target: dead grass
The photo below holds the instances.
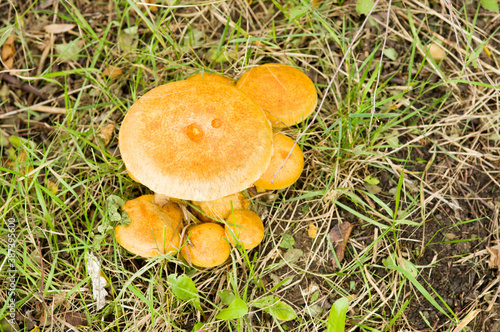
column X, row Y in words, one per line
column 430, row 132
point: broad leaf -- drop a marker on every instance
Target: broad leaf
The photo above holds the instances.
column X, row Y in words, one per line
column 236, row 309
column 336, row 318
column 184, row 289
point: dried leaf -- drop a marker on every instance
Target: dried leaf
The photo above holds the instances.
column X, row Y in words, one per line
column 76, row 319
column 153, row 9
column 8, row 52
column 128, row 38
column 112, row 71
column 494, row 261
column 339, row 235
column 98, row 282
column 58, row 28
column 106, row 133
column 52, row 186
column 68, row 52
column 312, row 231
column 4, row 92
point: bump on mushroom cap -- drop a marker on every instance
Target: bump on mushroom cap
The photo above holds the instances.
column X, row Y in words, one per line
column 286, row 94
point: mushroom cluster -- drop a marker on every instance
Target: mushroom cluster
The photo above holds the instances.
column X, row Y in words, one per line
column 202, row 142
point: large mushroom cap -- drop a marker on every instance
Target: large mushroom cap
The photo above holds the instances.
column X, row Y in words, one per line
column 153, row 230
column 286, row 94
column 196, row 140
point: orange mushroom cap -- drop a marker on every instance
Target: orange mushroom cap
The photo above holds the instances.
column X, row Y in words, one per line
column 196, row 140
column 207, row 246
column 286, row 176
column 246, row 226
column 286, row 94
column 153, row 230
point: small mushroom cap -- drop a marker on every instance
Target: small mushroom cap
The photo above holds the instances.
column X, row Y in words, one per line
column 211, row 77
column 222, row 207
column 437, row 52
column 246, row 226
column 153, row 231
column 286, row 94
column 291, row 170
column 208, row 245
column 196, row 140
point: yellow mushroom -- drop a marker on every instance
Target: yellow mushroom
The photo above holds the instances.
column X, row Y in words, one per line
column 207, row 245
column 245, row 226
column 276, row 178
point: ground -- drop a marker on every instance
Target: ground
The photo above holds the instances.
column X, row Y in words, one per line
column 408, row 154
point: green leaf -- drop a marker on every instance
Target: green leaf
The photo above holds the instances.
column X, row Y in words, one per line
column 292, row 255
column 273, row 306
column 363, row 7
column 491, row 5
column 297, row 12
column 236, row 309
column 113, row 208
column 184, row 289
column 336, row 318
column 287, row 242
column 68, row 52
column 493, row 137
column 391, row 53
column 372, row 180
column 226, row 296
column 405, row 264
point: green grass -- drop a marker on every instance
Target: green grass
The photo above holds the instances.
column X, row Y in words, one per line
column 404, row 122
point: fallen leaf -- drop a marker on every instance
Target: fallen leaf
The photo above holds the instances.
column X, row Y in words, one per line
column 58, row 28
column 8, row 52
column 98, row 282
column 4, row 92
column 76, row 319
column 494, row 261
column 339, row 235
column 128, row 38
column 52, row 187
column 112, row 71
column 106, row 133
column 372, row 188
column 312, row 231
column 315, row 3
column 153, row 9
column 68, row 52
column 292, row 255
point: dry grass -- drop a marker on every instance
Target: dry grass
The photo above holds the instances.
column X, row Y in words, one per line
column 428, row 131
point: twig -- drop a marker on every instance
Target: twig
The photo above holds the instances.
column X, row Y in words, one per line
column 23, row 85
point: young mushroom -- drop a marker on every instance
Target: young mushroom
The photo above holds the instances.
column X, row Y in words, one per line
column 153, row 230
column 196, row 140
column 246, row 227
column 206, row 246
column 286, row 94
column 281, row 174
column 220, row 209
